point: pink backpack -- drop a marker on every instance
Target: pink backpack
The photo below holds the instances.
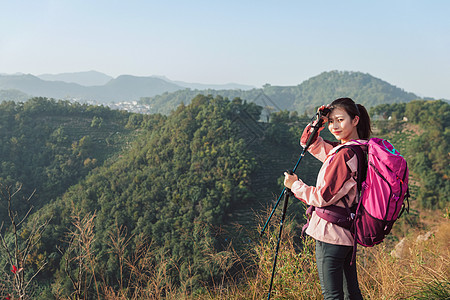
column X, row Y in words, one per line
column 382, row 194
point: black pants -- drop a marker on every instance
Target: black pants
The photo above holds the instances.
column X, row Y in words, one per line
column 338, row 278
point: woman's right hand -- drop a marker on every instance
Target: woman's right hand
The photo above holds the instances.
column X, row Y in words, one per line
column 323, row 115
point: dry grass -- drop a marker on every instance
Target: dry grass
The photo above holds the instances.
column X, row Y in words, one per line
column 420, row 269
column 423, row 262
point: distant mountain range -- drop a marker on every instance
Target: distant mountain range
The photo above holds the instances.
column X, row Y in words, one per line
column 163, row 95
column 94, row 86
column 89, row 78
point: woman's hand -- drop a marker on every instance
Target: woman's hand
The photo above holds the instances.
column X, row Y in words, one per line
column 324, row 115
column 289, row 179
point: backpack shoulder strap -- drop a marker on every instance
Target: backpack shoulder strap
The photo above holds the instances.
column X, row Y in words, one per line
column 362, row 163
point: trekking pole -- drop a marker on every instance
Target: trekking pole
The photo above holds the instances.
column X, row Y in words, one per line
column 287, row 193
column 308, row 143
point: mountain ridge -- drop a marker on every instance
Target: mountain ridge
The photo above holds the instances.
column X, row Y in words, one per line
column 164, row 95
column 87, row 78
column 113, row 91
column 96, row 87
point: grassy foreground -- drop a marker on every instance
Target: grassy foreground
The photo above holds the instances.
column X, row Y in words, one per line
column 418, row 267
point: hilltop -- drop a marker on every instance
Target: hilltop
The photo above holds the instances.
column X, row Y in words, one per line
column 303, row 98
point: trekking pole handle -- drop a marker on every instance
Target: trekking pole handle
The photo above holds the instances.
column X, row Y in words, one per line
column 316, row 127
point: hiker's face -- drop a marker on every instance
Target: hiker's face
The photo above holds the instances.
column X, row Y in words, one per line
column 342, row 126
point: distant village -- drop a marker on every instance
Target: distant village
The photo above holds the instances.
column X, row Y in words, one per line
column 132, row 106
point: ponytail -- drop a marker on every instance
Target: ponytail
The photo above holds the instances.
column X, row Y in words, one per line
column 364, row 129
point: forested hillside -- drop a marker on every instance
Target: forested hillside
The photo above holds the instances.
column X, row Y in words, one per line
column 155, row 204
column 421, row 130
column 173, row 187
column 50, row 145
column 369, row 91
column 13, row 95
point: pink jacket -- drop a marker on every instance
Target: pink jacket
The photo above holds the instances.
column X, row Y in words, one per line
column 336, row 179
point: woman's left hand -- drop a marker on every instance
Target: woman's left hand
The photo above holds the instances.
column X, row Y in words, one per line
column 289, row 179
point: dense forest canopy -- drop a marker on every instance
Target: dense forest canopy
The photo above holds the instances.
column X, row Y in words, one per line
column 174, row 185
column 49, row 145
column 179, row 182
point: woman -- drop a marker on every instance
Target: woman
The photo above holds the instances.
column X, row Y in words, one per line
column 336, row 182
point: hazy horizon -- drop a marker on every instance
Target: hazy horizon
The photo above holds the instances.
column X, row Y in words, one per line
column 405, row 43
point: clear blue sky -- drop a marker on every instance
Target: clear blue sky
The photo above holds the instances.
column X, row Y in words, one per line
column 406, row 43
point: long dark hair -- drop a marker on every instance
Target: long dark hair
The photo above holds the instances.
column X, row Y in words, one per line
column 353, row 109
